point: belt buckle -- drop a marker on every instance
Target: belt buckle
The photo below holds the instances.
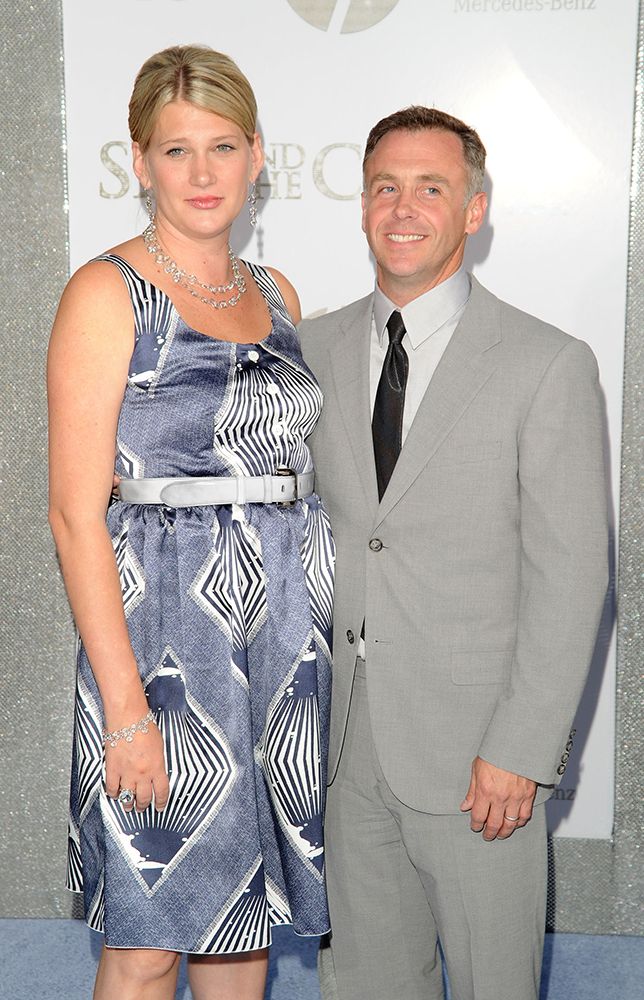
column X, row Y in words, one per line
column 283, row 471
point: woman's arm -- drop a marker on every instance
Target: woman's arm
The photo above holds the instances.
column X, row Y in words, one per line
column 89, row 352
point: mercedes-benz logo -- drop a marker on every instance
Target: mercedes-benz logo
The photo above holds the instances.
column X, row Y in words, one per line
column 358, row 14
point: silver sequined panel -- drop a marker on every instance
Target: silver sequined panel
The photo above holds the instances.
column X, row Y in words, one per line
column 36, row 638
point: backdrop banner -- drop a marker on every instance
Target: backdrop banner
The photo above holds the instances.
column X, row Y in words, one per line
column 548, row 84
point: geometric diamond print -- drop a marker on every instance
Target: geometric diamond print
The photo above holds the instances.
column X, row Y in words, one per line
column 230, row 586
column 290, row 756
column 133, row 463
column 201, row 770
column 244, row 923
column 130, row 572
column 74, row 880
column 89, row 749
column 318, row 559
column 279, row 911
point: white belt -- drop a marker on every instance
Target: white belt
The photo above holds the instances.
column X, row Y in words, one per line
column 196, row 491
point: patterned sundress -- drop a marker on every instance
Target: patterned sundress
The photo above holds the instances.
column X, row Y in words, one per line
column 229, row 612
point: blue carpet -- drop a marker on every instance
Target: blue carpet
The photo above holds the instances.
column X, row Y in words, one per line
column 56, row 960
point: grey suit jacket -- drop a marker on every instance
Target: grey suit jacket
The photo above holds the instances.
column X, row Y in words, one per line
column 481, row 574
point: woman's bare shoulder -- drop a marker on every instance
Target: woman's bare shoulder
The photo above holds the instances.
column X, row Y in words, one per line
column 95, row 299
column 289, row 294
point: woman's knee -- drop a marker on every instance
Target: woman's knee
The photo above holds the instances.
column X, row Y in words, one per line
column 143, row 965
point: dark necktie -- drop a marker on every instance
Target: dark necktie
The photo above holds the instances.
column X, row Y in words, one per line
column 386, row 424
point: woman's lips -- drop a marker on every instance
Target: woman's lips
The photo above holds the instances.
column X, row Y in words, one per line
column 204, row 202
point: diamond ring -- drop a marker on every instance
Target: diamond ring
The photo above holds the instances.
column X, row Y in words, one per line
column 126, row 796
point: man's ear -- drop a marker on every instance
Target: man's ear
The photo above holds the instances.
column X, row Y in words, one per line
column 475, row 213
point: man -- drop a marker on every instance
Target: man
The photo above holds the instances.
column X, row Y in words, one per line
column 460, row 457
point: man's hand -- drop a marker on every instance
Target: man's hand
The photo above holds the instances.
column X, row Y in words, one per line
column 499, row 800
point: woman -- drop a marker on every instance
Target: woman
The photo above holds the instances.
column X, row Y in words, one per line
column 204, row 602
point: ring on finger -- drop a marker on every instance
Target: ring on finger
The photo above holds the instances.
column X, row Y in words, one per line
column 126, row 796
column 511, row 819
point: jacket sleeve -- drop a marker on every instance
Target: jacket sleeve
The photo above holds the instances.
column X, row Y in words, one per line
column 564, row 567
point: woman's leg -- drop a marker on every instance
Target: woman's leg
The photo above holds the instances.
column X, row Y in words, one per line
column 228, row 977
column 136, row 974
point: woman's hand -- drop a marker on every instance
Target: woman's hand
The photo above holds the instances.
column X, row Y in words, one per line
column 140, row 767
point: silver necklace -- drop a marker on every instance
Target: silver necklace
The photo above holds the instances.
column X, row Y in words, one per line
column 189, row 281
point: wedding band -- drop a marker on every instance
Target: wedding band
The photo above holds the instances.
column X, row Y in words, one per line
column 126, row 796
column 511, row 819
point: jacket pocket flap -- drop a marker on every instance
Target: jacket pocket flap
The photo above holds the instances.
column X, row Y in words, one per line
column 481, row 666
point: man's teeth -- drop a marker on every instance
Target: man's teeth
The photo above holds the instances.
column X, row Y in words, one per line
column 404, row 237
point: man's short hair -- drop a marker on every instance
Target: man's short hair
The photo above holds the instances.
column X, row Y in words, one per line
column 417, row 118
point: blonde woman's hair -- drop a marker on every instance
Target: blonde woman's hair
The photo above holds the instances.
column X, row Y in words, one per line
column 193, row 73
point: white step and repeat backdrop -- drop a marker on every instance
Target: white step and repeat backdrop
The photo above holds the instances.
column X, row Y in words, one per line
column 547, row 83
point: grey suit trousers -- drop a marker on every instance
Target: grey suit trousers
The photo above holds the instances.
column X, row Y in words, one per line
column 400, row 879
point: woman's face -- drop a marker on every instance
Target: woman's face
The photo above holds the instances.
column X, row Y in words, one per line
column 199, row 166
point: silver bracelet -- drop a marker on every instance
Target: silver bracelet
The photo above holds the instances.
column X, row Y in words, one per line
column 127, row 733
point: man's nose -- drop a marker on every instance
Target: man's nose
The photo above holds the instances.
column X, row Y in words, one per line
column 405, row 207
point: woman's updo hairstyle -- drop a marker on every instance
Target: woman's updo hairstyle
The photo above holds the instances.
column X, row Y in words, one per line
column 193, row 73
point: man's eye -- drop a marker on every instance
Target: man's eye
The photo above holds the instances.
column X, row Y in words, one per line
column 432, row 190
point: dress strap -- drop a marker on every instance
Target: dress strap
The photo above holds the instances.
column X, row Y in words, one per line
column 269, row 288
column 152, row 308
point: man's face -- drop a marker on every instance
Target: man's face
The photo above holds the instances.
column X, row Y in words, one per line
column 414, row 210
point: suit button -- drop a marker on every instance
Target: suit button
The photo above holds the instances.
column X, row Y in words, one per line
column 350, row 637
column 565, row 757
column 561, row 769
column 375, row 545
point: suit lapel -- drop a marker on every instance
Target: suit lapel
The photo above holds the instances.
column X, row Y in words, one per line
column 349, row 361
column 465, row 367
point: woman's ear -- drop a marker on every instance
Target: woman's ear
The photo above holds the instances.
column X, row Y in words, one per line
column 139, row 166
column 257, row 157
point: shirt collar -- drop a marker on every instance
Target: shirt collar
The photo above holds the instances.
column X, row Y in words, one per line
column 426, row 314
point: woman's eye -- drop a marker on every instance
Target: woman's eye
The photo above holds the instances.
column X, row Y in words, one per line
column 224, row 147
column 175, row 151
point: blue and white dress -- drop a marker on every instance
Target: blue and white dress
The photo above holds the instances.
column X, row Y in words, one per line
column 229, row 614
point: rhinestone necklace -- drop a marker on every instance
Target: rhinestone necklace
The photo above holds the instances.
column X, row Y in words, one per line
column 190, row 281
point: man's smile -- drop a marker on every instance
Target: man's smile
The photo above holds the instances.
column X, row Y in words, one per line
column 404, row 237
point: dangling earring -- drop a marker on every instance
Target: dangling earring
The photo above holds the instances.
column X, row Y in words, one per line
column 149, row 207
column 252, row 204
